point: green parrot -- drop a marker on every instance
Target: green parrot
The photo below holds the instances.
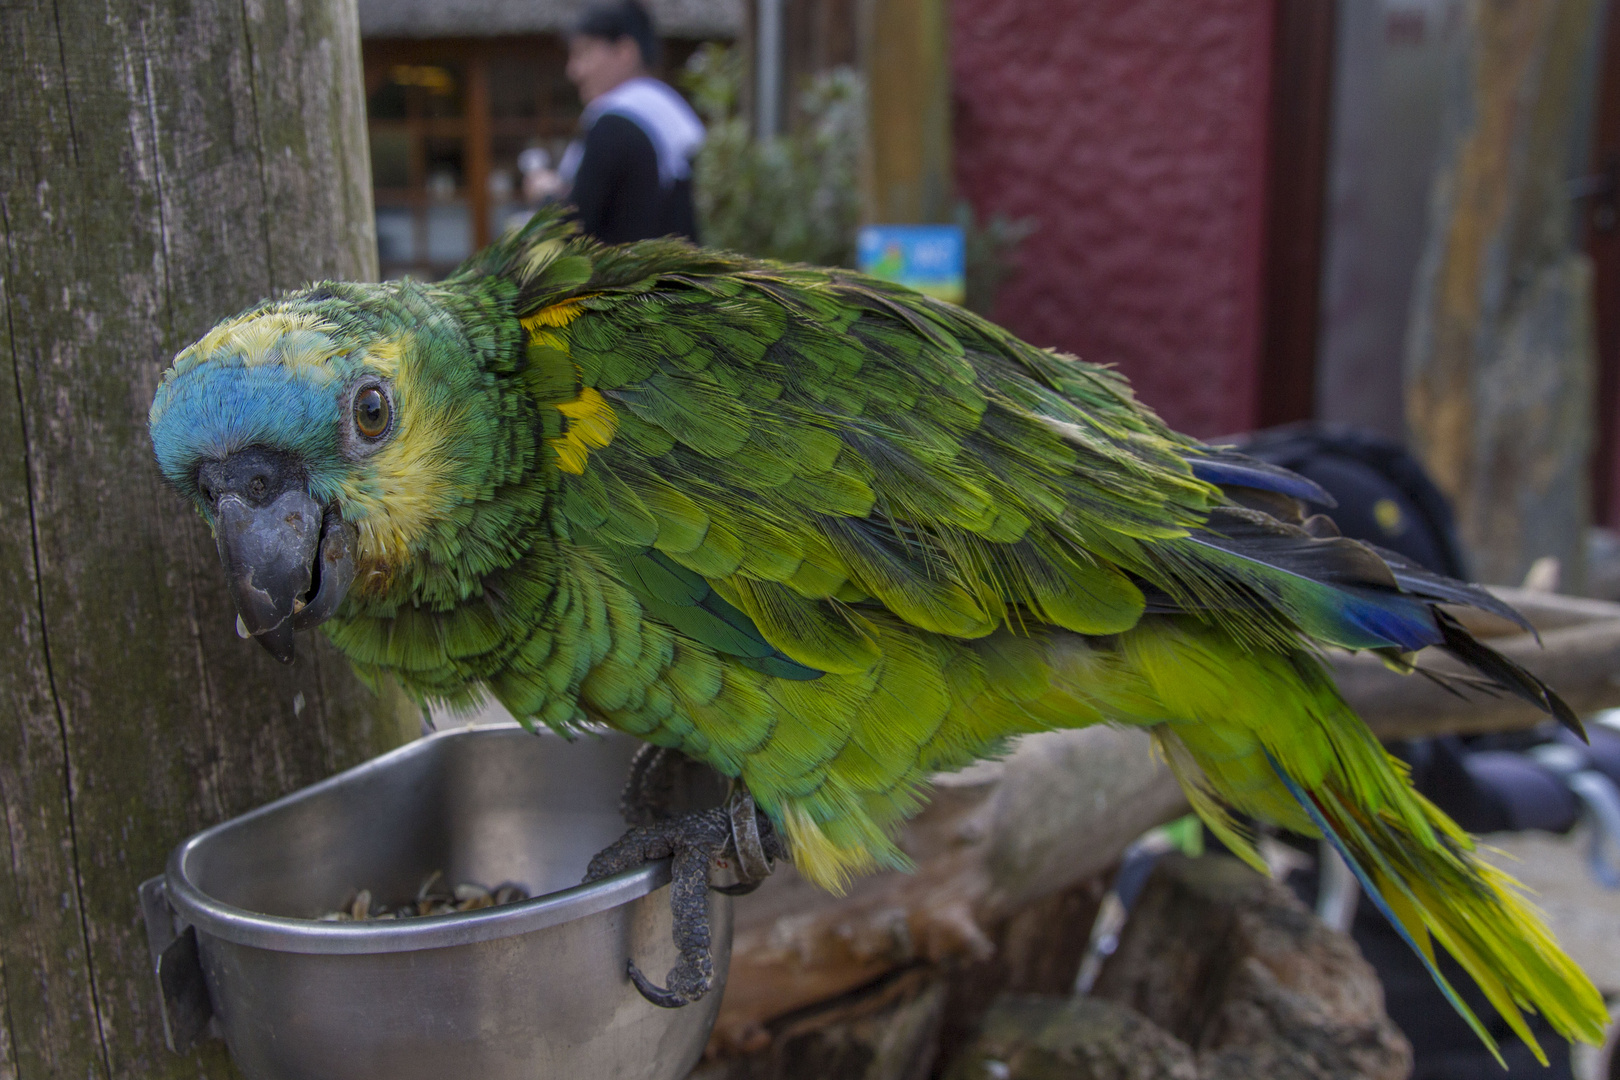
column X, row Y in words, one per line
column 828, row 536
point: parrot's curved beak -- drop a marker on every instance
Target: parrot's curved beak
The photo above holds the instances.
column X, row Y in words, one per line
column 288, row 561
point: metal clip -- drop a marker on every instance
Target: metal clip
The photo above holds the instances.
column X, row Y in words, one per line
column 754, row 862
column 177, row 966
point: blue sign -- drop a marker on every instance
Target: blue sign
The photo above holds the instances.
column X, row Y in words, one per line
column 929, row 258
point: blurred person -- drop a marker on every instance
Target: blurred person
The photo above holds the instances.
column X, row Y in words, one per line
column 630, row 176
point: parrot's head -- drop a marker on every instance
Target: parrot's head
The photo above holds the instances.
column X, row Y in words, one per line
column 319, row 436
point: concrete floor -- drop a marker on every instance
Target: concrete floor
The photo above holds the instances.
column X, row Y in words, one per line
column 1583, row 914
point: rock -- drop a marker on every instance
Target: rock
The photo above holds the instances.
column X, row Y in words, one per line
column 1234, row 966
column 1026, row 1037
column 1220, row 975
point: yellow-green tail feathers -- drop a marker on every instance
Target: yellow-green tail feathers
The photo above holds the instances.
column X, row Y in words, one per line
column 1442, row 892
column 1298, row 757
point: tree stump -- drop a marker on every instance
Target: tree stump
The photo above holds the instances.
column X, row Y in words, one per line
column 166, row 164
column 1220, row 975
column 1029, row 1037
column 1234, row 966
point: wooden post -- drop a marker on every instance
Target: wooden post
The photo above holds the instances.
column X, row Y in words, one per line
column 1602, row 220
column 1500, row 358
column 164, row 164
column 907, row 168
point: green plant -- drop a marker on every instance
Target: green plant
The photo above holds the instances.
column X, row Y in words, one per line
column 797, row 197
column 991, row 252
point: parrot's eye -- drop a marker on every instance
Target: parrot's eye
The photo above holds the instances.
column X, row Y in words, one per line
column 371, row 412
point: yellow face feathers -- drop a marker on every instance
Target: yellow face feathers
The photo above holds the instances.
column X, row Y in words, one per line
column 296, row 339
column 407, row 483
column 383, row 356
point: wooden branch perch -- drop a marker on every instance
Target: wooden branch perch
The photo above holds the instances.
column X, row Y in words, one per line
column 1063, row 806
column 1058, row 809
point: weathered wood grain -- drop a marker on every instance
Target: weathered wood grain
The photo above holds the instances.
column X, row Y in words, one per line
column 906, row 166
column 165, row 164
column 1500, row 359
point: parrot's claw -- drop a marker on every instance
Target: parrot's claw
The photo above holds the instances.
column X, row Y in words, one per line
column 735, row 835
column 648, row 790
column 667, row 999
column 663, row 783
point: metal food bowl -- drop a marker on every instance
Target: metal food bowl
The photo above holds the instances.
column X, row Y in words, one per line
column 532, row 989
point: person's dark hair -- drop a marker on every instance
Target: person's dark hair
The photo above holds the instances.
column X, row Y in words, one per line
column 625, row 19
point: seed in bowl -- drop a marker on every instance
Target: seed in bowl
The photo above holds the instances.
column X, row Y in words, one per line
column 433, row 898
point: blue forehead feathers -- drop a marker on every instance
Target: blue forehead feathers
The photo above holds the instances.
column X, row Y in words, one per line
column 217, row 408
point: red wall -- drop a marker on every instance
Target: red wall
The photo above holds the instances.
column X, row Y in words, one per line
column 1134, row 133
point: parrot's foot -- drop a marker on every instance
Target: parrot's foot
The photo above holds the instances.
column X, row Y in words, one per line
column 649, row 791
column 663, row 783
column 735, row 836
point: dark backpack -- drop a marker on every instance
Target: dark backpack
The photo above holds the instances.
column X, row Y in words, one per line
column 1384, row 495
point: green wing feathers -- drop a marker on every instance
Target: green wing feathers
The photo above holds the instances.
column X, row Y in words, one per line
column 832, row 536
